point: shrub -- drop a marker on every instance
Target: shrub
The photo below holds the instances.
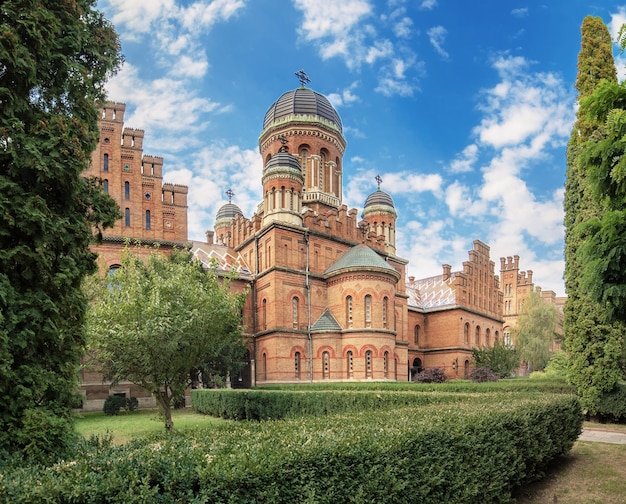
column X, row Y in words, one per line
column 612, row 405
column 501, row 358
column 114, row 403
column 483, row 374
column 431, row 375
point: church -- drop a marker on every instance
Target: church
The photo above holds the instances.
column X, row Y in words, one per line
column 329, row 298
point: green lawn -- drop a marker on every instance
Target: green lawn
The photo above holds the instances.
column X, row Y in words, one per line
column 126, row 426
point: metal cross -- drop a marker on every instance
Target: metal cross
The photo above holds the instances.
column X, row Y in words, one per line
column 378, row 180
column 283, row 140
column 302, row 77
column 230, row 195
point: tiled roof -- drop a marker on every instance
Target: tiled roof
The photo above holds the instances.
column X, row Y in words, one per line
column 226, row 260
column 326, row 322
column 433, row 292
column 360, row 256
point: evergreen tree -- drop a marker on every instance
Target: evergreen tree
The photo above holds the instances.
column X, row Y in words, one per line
column 54, row 60
column 588, row 335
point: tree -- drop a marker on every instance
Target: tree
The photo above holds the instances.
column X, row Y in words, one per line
column 589, row 336
column 501, row 358
column 54, row 60
column 152, row 323
column 535, row 331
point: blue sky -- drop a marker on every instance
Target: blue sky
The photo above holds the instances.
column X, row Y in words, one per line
column 464, row 108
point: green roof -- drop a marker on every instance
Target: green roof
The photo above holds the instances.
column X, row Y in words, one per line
column 361, row 257
column 326, row 322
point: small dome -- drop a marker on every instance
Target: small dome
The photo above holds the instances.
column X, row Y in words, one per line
column 379, row 198
column 283, row 160
column 361, row 257
column 302, row 101
column 228, row 212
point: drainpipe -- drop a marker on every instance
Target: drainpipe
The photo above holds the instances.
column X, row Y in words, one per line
column 308, row 302
column 254, row 303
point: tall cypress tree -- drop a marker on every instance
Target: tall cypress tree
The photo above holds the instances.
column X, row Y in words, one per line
column 54, row 60
column 588, row 334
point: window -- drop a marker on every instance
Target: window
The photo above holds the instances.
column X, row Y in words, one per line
column 105, row 186
column 294, row 312
column 147, row 219
column 350, row 364
column 385, row 303
column 487, row 337
column 105, row 165
column 127, row 217
column 477, row 336
column 368, row 311
column 264, row 315
column 349, row 311
column 466, row 333
column 127, row 190
column 296, row 365
column 368, row 364
column 325, row 365
column 386, row 364
column 416, row 335
column 264, row 367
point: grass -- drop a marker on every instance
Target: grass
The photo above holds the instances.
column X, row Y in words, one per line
column 591, row 473
column 126, row 426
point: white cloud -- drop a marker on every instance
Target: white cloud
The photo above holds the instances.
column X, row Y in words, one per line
column 334, row 20
column 345, row 97
column 464, row 162
column 428, row 4
column 380, row 49
column 437, row 37
column 402, row 28
column 520, row 13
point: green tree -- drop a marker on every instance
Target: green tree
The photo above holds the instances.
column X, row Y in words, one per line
column 589, row 336
column 54, row 60
column 535, row 331
column 501, row 358
column 152, row 323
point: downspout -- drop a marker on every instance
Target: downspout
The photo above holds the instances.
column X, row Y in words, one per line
column 308, row 303
column 254, row 304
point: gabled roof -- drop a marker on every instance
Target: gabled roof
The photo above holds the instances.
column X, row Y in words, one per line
column 222, row 256
column 361, row 257
column 326, row 322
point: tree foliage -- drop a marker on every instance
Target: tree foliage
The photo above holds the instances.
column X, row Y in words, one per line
column 152, row 323
column 591, row 339
column 501, row 358
column 535, row 331
column 54, row 60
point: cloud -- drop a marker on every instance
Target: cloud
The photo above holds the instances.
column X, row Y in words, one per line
column 345, row 97
column 618, row 19
column 464, row 162
column 437, row 37
column 428, row 4
column 520, row 13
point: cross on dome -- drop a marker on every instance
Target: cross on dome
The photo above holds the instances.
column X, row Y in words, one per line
column 230, row 195
column 302, row 77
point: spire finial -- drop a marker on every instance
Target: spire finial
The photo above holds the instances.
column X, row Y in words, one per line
column 302, row 77
column 230, row 195
column 378, row 180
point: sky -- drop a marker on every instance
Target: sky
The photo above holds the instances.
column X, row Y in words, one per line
column 464, row 108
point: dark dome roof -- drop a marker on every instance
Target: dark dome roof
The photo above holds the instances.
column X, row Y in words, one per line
column 379, row 198
column 283, row 159
column 302, row 101
column 228, row 211
column 361, row 257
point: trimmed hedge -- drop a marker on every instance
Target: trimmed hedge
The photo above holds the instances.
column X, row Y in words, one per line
column 463, row 452
column 612, row 405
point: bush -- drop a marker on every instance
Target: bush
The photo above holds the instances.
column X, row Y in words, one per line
column 114, row 403
column 501, row 358
column 483, row 374
column 612, row 405
column 431, row 375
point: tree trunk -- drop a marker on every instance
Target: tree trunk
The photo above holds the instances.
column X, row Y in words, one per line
column 163, row 400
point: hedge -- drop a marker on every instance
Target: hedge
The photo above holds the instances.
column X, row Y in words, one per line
column 463, row 452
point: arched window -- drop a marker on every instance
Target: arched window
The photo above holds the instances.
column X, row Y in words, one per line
column 105, row 186
column 487, row 337
column 349, row 311
column 350, row 364
column 466, row 369
column 264, row 367
column 296, row 365
column 477, row 336
column 385, row 307
column 147, row 219
column 386, row 364
column 127, row 217
column 466, row 333
column 127, row 190
column 294, row 311
column 326, row 365
column 105, row 165
column 416, row 335
column 368, row 364
column 368, row 311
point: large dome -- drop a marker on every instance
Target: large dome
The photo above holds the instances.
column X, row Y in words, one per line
column 283, row 160
column 302, row 101
column 228, row 212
